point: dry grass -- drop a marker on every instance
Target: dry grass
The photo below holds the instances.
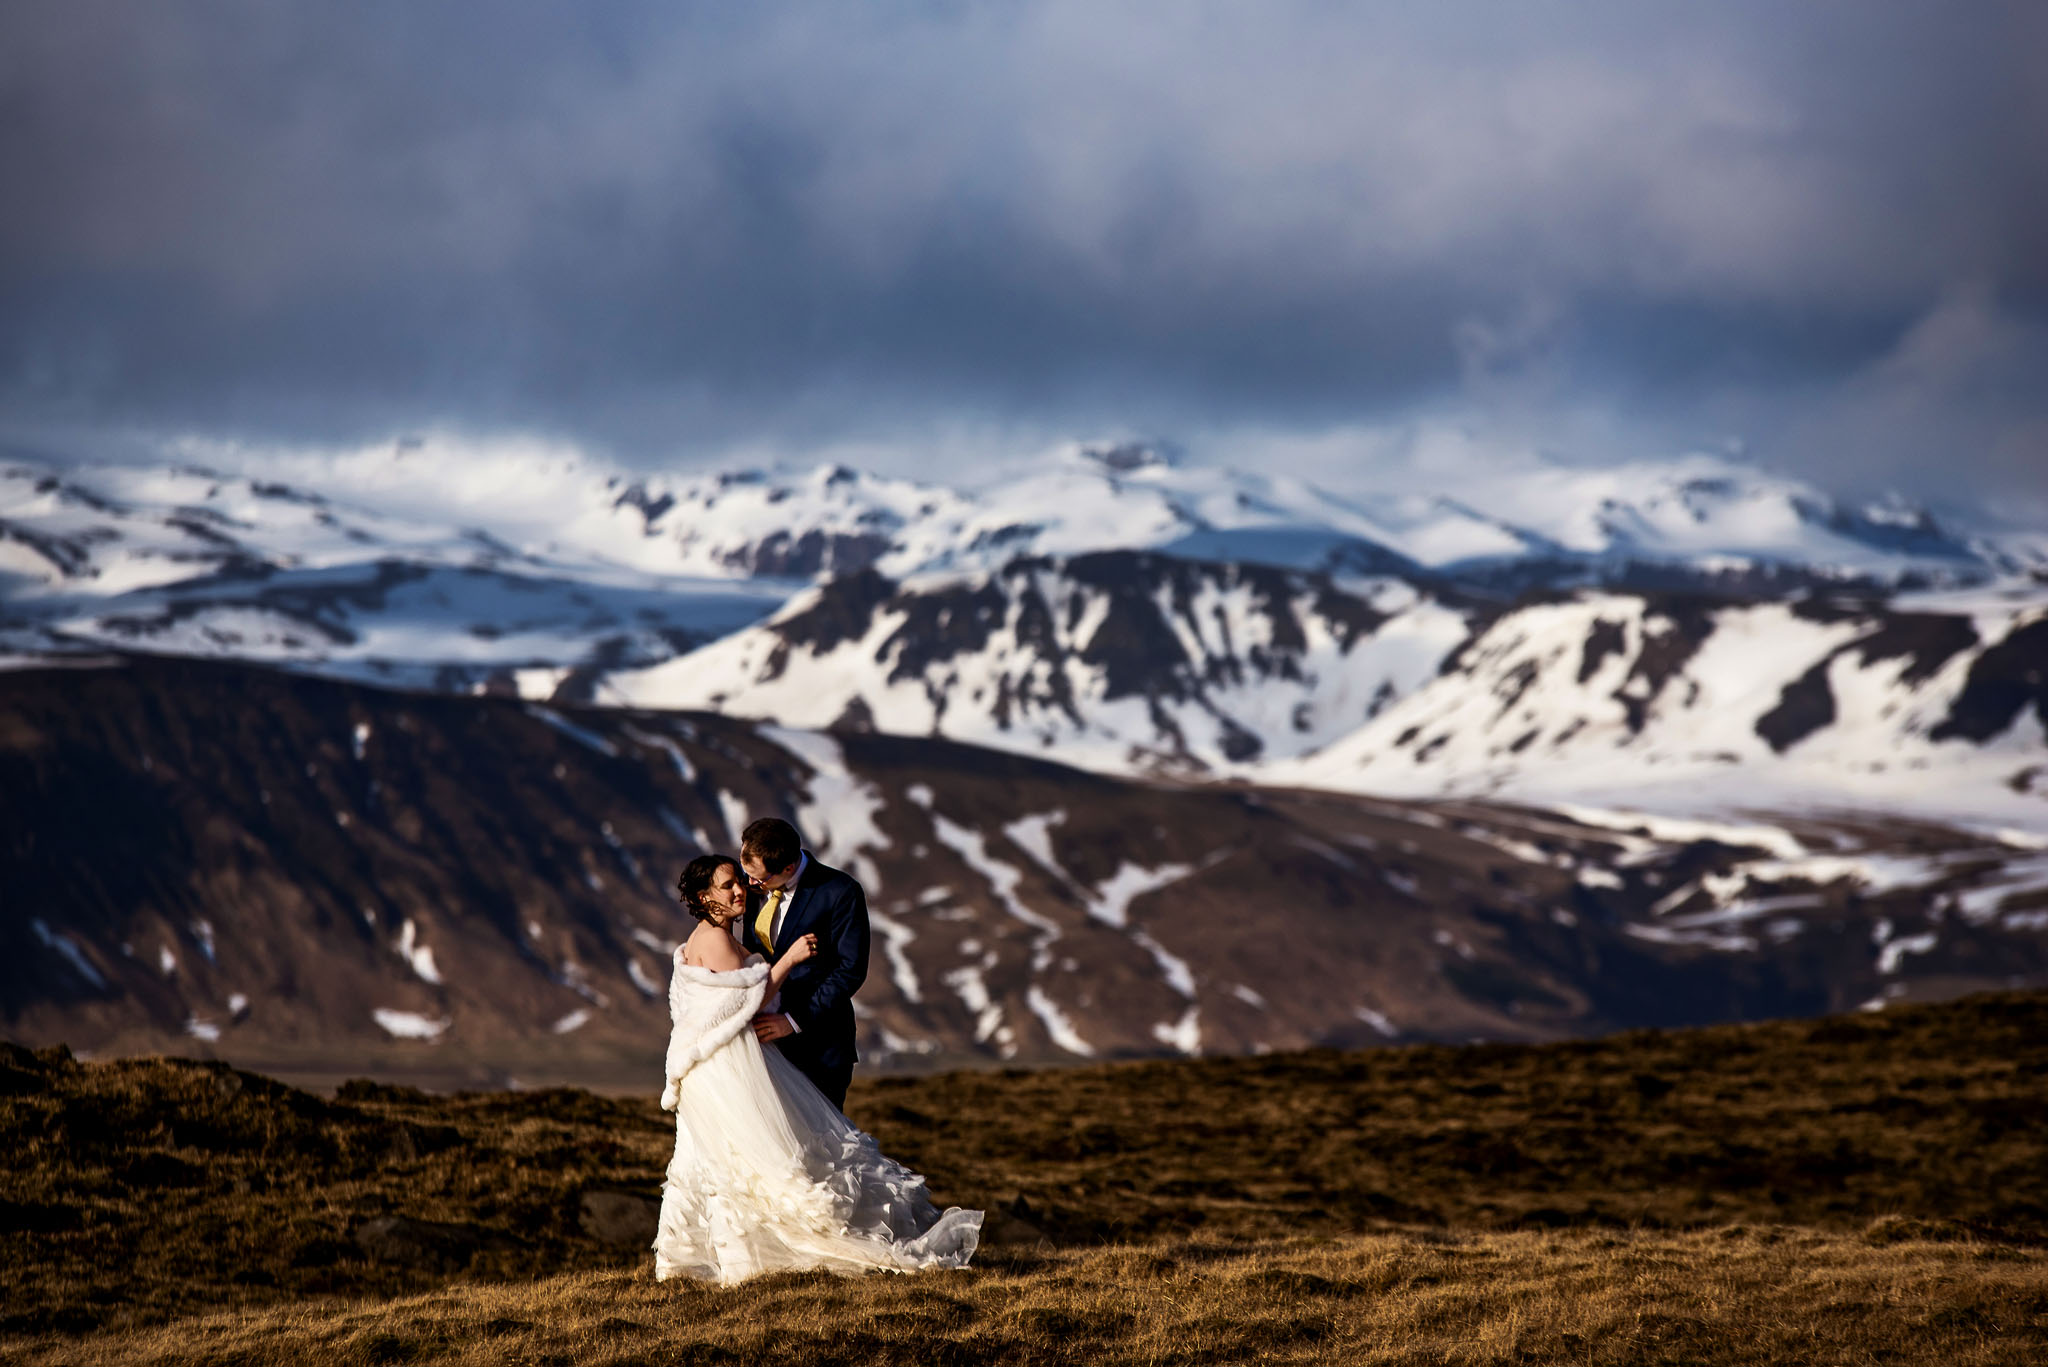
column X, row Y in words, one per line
column 1868, row 1189
column 1935, row 1112
column 1734, row 1295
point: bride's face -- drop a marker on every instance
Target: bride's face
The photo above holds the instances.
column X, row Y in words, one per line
column 726, row 898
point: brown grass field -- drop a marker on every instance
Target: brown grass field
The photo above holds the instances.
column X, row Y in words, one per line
column 1855, row 1190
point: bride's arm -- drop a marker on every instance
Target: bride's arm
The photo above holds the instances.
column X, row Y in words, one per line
column 804, row 948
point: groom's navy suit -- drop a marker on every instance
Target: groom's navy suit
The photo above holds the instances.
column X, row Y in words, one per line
column 818, row 994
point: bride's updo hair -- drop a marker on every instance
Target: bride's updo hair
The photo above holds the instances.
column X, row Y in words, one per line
column 696, row 881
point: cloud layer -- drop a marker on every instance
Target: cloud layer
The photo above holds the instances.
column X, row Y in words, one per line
column 666, row 227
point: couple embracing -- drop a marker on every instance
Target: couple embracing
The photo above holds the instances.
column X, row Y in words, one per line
column 768, row 1173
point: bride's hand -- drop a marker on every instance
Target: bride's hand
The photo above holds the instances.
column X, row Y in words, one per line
column 803, row 948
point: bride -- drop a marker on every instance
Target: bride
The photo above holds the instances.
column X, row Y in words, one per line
column 767, row 1174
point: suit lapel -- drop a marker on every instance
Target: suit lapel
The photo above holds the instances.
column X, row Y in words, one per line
column 799, row 895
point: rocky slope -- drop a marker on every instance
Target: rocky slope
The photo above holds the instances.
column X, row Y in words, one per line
column 326, row 879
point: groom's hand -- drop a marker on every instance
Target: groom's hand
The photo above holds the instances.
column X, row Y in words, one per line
column 769, row 1029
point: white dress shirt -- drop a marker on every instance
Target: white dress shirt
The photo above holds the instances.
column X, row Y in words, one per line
column 803, row 859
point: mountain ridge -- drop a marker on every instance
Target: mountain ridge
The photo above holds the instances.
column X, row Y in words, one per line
column 1212, row 623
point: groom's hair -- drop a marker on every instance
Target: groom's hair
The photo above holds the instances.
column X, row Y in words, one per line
column 773, row 841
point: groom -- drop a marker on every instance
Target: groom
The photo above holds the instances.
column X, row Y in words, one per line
column 793, row 894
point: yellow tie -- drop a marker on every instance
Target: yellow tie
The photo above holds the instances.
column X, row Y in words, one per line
column 765, row 922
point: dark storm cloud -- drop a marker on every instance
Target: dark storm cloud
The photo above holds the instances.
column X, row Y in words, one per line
column 642, row 223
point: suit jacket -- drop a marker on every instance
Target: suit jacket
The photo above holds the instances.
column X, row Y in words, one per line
column 818, row 994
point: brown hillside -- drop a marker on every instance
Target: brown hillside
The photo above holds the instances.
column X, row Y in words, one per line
column 235, row 863
column 148, row 1189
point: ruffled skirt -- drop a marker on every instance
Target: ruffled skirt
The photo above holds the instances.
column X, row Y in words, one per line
column 769, row 1176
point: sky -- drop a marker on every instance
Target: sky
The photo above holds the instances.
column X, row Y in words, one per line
column 1815, row 233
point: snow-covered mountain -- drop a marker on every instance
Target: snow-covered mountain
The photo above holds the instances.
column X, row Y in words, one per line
column 1135, row 663
column 1109, row 605
column 1697, row 520
column 1124, row 661
column 190, row 561
column 1515, row 521
column 1933, row 702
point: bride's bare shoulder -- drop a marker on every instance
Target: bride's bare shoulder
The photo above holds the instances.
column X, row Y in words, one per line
column 712, row 948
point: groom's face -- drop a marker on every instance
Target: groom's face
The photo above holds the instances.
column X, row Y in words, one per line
column 758, row 875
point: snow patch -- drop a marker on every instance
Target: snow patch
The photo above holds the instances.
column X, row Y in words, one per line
column 1184, row 1034
column 1033, row 835
column 735, row 813
column 1874, row 873
column 967, row 984
column 619, row 850
column 1891, row 952
column 540, row 682
column 416, row 955
column 1520, row 849
column 896, row 938
column 68, row 947
column 642, row 979
column 408, row 1024
column 685, row 770
column 1672, row 935
column 1980, row 904
column 1683, row 831
column 1002, row 878
column 581, row 735
column 1377, row 1020
column 1057, row 1024
column 1172, row 967
column 576, row 978
column 893, row 1043
column 840, row 816
column 1112, row 898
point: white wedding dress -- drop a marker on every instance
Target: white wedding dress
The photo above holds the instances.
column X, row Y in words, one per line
column 767, row 1174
